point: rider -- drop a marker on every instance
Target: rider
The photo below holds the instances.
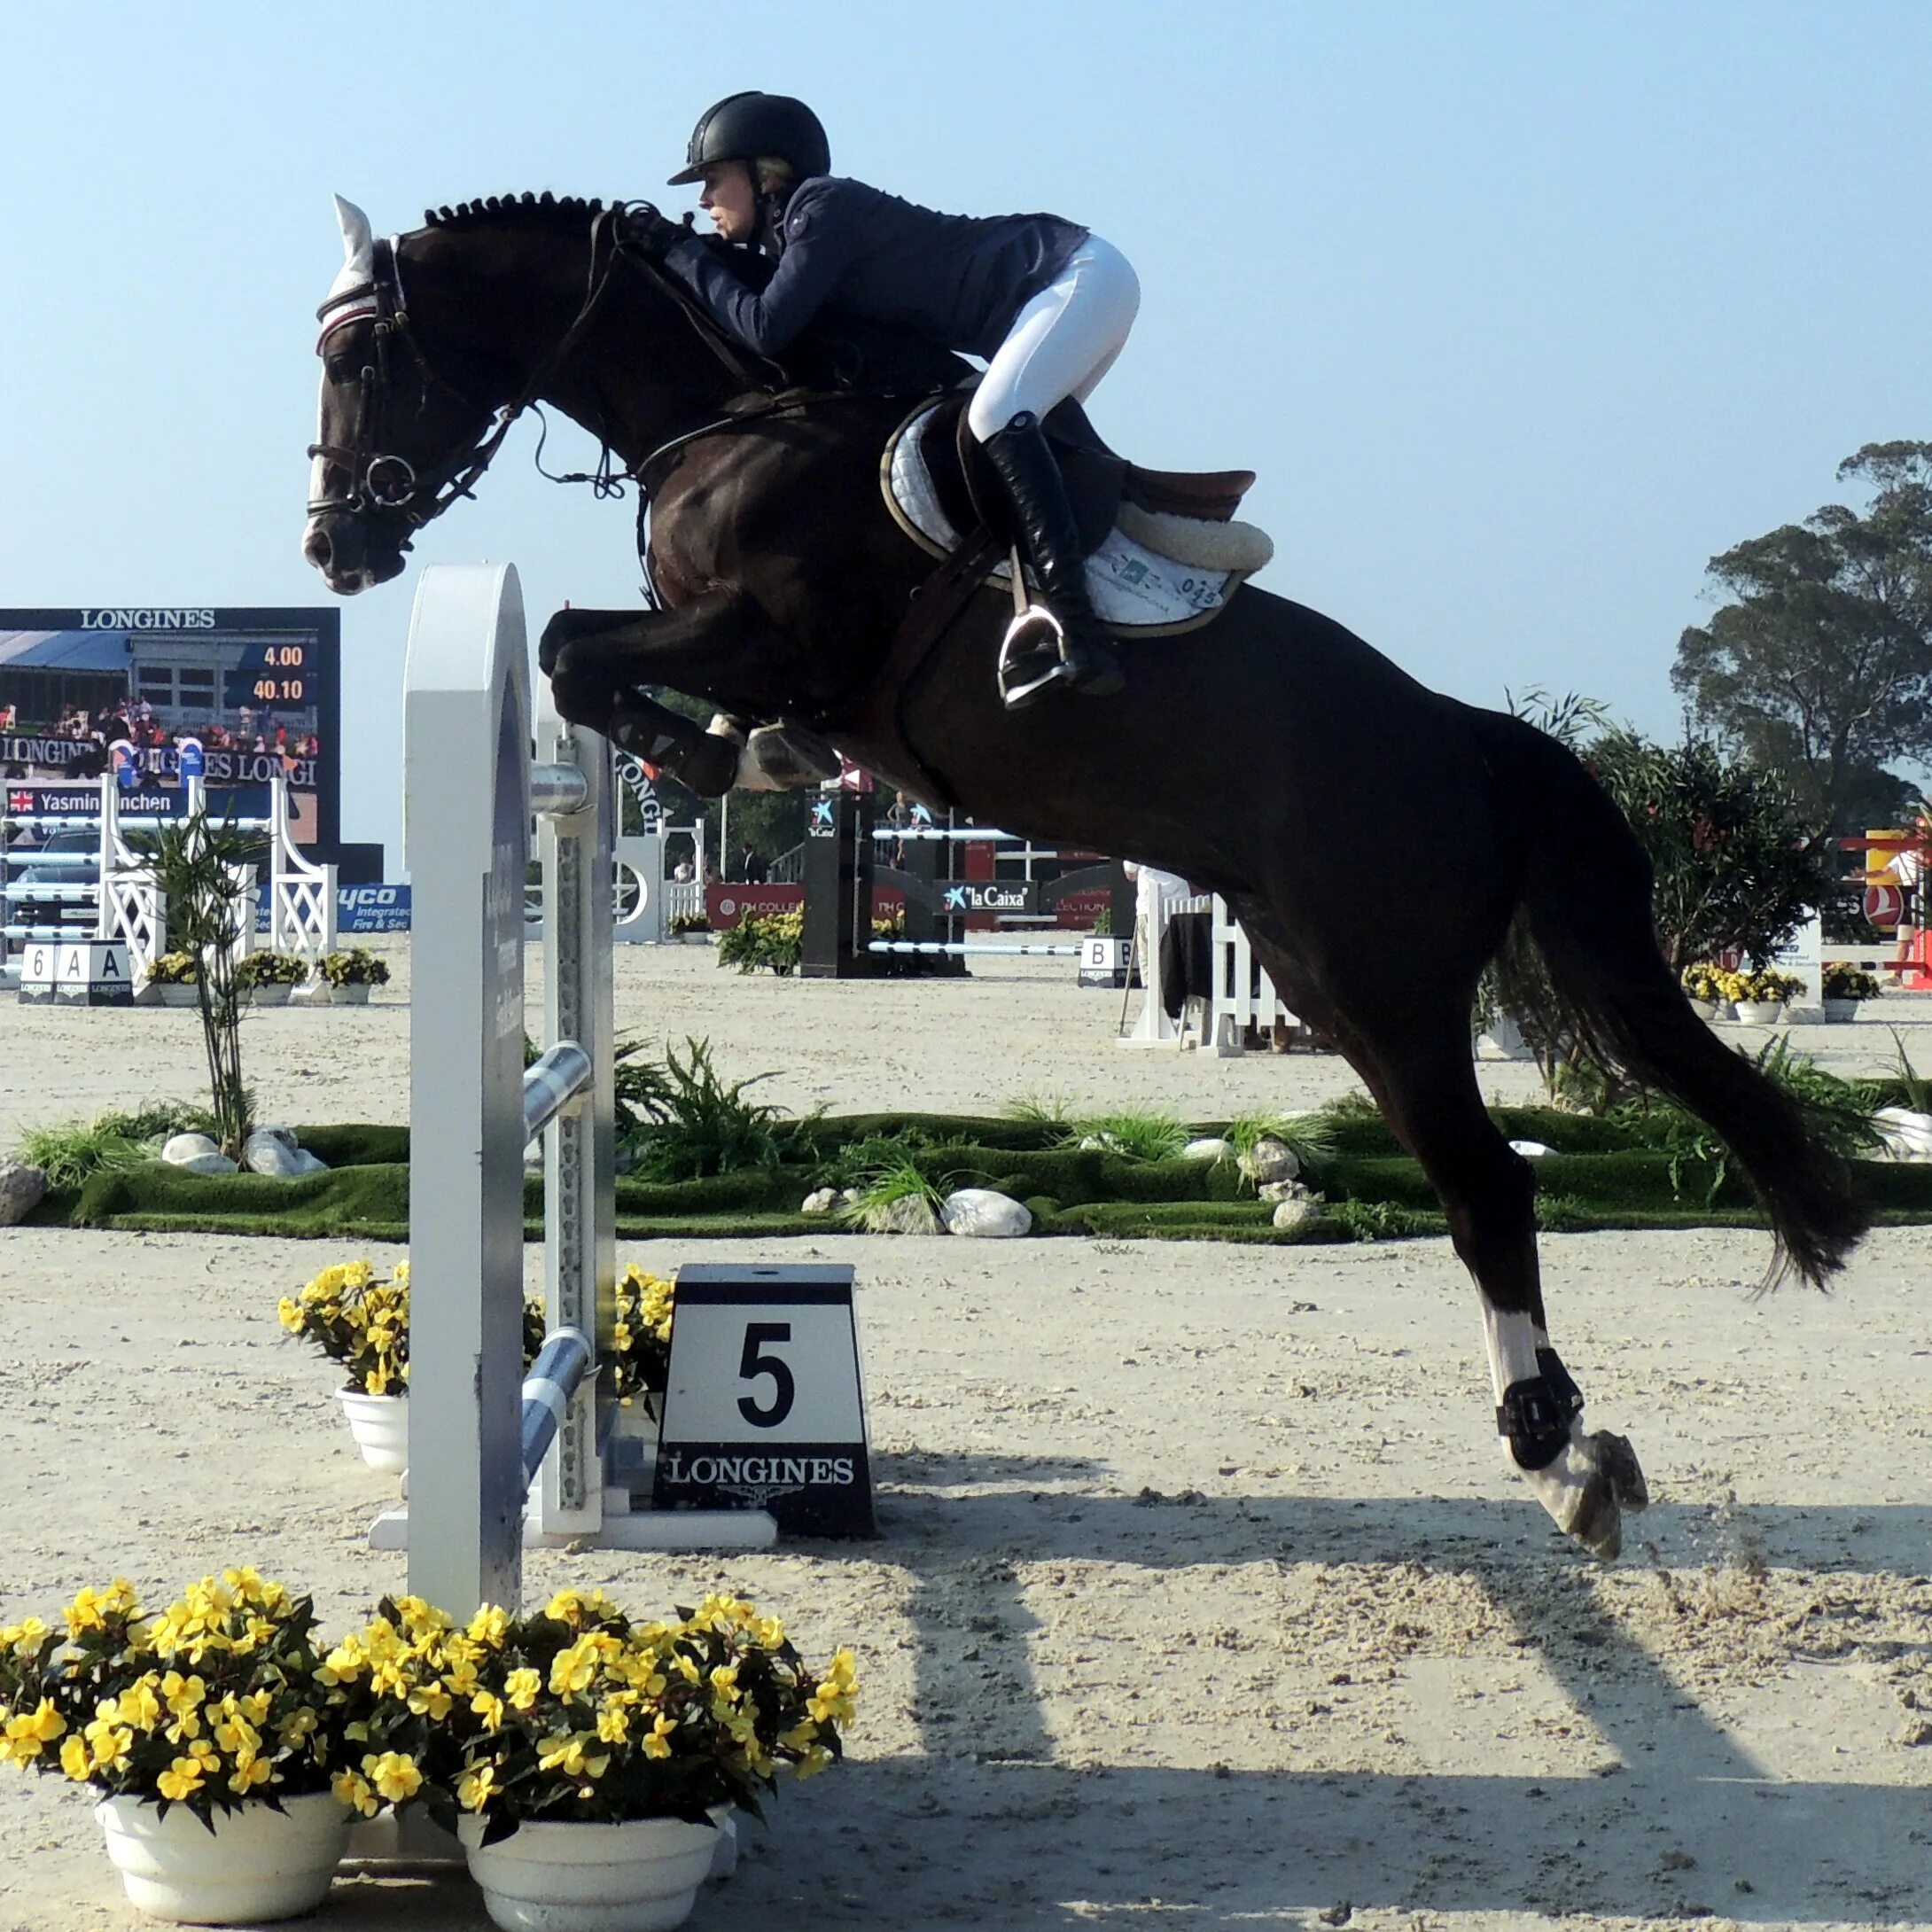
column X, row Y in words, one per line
column 1047, row 303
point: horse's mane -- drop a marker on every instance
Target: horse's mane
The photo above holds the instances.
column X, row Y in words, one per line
column 556, row 214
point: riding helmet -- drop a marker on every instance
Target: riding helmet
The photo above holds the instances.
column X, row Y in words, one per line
column 745, row 126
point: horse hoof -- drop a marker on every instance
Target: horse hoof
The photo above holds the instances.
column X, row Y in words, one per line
column 785, row 757
column 1618, row 1461
column 1599, row 1522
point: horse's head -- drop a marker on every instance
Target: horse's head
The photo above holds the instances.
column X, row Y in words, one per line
column 402, row 433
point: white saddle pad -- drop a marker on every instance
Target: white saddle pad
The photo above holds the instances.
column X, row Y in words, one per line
column 1133, row 587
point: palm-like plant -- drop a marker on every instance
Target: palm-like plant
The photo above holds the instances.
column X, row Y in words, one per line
column 206, row 869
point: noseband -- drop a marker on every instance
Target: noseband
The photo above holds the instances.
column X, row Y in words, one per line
column 381, row 481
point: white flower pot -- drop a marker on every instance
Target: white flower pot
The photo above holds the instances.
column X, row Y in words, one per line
column 1705, row 1010
column 258, row 1864
column 271, row 994
column 1838, row 1011
column 1760, row 1012
column 380, row 1424
column 640, row 1877
column 177, row 995
column 350, row 996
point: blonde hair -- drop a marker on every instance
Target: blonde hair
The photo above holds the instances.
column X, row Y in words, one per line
column 773, row 175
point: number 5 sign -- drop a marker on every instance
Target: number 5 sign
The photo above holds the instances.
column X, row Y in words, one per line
column 763, row 1409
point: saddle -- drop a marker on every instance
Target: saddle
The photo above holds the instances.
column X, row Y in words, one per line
column 1099, row 480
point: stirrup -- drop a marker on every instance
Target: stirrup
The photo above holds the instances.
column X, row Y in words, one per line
column 1032, row 657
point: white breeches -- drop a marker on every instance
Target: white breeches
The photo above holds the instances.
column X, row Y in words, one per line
column 1063, row 342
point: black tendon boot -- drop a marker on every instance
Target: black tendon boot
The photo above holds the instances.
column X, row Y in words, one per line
column 704, row 761
column 1082, row 655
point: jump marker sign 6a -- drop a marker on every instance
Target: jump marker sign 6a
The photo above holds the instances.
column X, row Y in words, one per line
column 764, row 1407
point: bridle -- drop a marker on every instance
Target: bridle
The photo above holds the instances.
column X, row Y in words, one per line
column 380, row 479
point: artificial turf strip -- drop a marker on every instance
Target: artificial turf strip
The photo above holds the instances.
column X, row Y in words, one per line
column 1596, row 1179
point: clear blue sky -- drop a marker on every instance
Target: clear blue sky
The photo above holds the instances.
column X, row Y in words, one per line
column 1522, row 311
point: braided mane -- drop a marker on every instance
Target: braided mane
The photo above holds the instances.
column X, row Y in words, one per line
column 547, row 211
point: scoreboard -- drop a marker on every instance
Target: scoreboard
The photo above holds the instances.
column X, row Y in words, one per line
column 258, row 689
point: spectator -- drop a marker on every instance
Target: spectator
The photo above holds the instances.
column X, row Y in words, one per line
column 752, row 870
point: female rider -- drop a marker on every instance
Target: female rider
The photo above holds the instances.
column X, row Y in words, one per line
column 1047, row 303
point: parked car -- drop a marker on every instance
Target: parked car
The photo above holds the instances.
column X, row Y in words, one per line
column 67, row 859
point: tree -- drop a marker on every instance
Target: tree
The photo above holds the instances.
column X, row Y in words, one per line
column 1821, row 666
column 1737, row 869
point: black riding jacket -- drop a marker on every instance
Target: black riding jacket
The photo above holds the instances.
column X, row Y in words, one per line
column 956, row 280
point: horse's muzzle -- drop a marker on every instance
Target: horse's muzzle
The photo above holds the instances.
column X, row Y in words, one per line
column 350, row 556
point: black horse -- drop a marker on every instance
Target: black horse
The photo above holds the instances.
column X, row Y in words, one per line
column 785, row 583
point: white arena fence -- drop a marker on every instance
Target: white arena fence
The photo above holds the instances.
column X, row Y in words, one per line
column 126, row 899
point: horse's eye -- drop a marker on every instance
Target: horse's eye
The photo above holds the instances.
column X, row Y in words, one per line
column 339, row 369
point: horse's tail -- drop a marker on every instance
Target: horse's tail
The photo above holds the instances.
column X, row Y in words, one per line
column 1585, row 898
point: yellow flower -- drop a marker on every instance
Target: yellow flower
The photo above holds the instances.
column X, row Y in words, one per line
column 393, row 1774
column 248, row 1773
column 572, row 1670
column 180, row 1778
column 658, row 1744
column 73, row 1759
column 488, row 1707
column 799, row 1735
column 108, row 1740
column 477, row 1786
column 724, row 1680
column 489, row 1625
column 237, row 1737
column 430, row 1701
column 567, row 1751
column 813, row 1761
column 354, row 1790
column 139, row 1704
column 521, row 1687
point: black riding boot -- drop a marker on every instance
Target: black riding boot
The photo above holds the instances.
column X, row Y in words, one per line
column 1086, row 660
column 701, row 760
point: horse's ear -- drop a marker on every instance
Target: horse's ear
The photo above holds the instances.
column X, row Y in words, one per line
column 358, row 244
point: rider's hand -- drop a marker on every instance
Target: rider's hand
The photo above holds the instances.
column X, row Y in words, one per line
column 649, row 231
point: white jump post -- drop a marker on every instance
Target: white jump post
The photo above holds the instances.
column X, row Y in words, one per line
column 469, row 791
column 470, row 788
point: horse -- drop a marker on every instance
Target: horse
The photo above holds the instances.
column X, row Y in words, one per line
column 783, row 584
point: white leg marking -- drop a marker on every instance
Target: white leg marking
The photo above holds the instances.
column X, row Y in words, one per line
column 1513, row 1342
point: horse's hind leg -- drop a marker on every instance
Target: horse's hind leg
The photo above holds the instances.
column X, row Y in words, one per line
column 1421, row 1072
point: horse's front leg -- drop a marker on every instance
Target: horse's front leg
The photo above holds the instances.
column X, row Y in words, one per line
column 599, row 663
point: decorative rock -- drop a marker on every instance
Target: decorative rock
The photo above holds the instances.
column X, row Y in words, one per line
column 1281, row 1190
column 1502, row 1040
column 307, row 1163
column 1530, row 1151
column 910, row 1214
column 1269, row 1159
column 983, row 1211
column 285, row 1135
column 1908, row 1135
column 1292, row 1209
column 1211, row 1148
column 183, row 1148
column 269, row 1154
column 22, row 1189
column 213, row 1162
column 850, row 1195
column 820, row 1201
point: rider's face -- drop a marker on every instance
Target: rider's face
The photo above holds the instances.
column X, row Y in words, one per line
column 731, row 200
